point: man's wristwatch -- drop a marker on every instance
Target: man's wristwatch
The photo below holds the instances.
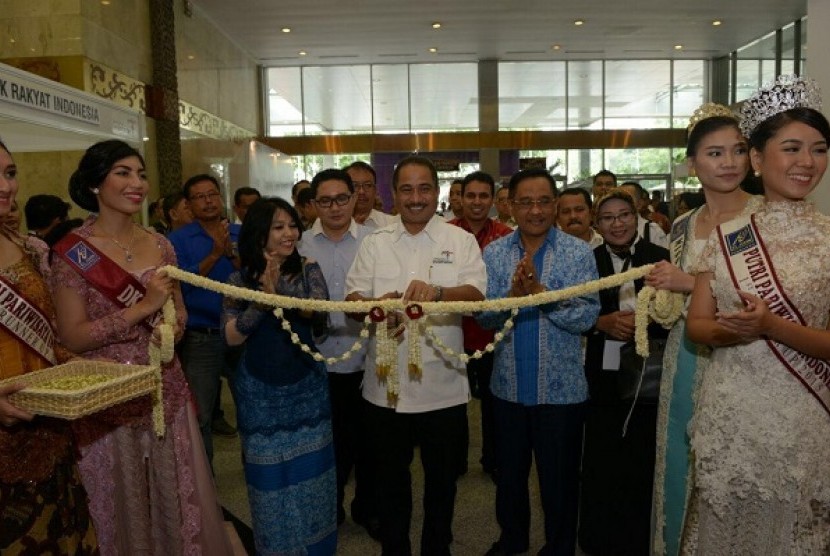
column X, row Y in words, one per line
column 439, row 292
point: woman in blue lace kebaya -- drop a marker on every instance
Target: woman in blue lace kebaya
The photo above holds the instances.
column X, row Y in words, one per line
column 284, row 415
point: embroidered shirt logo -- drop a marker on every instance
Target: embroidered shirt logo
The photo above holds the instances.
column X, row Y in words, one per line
column 83, row 257
column 446, row 257
column 740, row 240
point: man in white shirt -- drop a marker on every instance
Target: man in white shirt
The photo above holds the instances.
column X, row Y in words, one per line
column 420, row 258
column 573, row 215
column 365, row 186
column 333, row 241
column 456, row 209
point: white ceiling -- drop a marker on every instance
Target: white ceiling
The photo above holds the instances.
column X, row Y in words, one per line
column 338, row 32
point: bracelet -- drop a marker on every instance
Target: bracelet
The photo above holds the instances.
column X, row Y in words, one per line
column 439, row 292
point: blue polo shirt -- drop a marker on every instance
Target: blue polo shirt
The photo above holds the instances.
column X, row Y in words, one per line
column 192, row 245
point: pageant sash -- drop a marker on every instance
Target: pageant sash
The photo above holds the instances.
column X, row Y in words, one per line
column 678, row 237
column 26, row 322
column 752, row 271
column 104, row 274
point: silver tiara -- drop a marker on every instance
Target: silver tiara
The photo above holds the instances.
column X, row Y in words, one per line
column 786, row 93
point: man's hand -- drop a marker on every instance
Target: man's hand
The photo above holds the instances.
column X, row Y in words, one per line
column 618, row 325
column 418, row 291
column 221, row 237
column 525, row 279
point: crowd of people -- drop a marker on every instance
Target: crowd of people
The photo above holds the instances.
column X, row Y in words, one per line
column 726, row 454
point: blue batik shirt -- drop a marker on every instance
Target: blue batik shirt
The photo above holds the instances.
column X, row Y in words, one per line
column 540, row 359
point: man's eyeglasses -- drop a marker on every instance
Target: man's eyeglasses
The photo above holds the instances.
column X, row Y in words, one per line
column 625, row 217
column 363, row 185
column 205, row 196
column 527, row 204
column 340, row 200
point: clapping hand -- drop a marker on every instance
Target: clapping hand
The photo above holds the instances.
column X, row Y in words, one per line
column 753, row 321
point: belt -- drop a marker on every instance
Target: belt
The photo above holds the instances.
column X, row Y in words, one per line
column 204, row 330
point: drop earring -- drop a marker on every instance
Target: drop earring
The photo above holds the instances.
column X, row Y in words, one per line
column 95, row 190
column 757, row 173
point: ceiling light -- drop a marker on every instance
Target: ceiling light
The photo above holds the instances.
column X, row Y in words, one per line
column 286, row 29
column 556, row 46
column 302, row 52
column 678, row 47
column 190, row 56
column 716, row 22
column 436, row 25
column 11, row 41
column 579, row 22
column 105, row 2
column 433, row 49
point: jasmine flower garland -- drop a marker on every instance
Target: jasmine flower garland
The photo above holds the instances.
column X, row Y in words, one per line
column 160, row 354
column 665, row 309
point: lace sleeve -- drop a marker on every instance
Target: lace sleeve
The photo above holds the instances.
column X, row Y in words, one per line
column 706, row 261
column 248, row 315
column 317, row 289
column 169, row 258
column 105, row 330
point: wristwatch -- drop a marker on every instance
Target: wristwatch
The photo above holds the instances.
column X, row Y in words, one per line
column 439, row 292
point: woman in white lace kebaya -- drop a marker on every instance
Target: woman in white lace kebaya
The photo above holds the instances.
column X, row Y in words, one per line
column 761, row 427
column 717, row 153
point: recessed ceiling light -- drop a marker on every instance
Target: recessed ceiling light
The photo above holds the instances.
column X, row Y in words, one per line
column 716, row 22
column 579, row 22
column 105, row 2
column 190, row 56
column 556, row 46
column 286, row 29
column 433, row 49
column 302, row 52
column 436, row 25
column 678, row 47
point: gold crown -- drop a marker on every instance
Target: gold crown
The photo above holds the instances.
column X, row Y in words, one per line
column 786, row 93
column 709, row 110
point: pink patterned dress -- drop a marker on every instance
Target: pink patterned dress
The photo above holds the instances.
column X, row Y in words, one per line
column 147, row 495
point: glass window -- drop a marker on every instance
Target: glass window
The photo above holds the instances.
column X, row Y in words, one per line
column 583, row 164
column 637, row 94
column 689, row 89
column 585, row 95
column 337, row 99
column 444, row 97
column 532, row 96
column 390, row 98
column 755, row 66
column 285, row 104
column 639, row 161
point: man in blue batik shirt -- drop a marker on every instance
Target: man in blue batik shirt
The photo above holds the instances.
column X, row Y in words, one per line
column 538, row 380
column 205, row 247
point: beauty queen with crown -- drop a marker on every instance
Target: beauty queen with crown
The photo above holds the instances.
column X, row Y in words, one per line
column 761, row 429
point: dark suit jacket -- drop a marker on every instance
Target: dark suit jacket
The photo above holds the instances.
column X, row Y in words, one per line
column 602, row 387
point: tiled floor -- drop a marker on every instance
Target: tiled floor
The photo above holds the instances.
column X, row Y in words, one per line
column 474, row 526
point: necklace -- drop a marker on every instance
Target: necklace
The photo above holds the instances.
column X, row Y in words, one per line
column 128, row 250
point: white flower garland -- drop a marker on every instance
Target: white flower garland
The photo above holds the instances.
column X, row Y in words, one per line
column 160, row 354
column 478, row 354
column 661, row 306
column 666, row 307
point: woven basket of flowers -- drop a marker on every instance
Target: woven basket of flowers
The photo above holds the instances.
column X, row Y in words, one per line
column 82, row 387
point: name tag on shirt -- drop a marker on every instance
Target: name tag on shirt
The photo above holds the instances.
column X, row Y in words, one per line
column 611, row 355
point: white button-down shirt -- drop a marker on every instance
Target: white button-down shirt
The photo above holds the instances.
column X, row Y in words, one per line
column 378, row 219
column 388, row 260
